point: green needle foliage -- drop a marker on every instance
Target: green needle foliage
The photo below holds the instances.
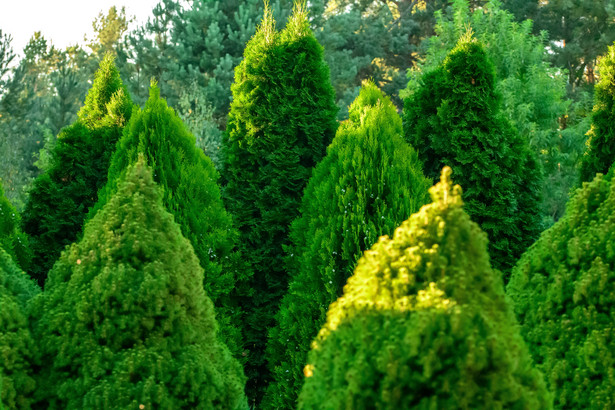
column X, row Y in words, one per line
column 424, row 323
column 369, row 182
column 562, row 289
column 454, row 119
column 191, row 194
column 60, row 197
column 600, row 152
column 17, row 347
column 281, row 120
column 12, row 240
column 125, row 320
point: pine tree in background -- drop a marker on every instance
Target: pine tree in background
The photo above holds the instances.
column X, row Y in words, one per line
column 191, row 194
column 424, row 323
column 600, row 152
column 454, row 119
column 369, row 182
column 281, row 120
column 60, row 197
column 17, row 347
column 562, row 289
column 125, row 320
column 12, row 240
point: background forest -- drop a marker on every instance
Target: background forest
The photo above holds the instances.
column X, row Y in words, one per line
column 324, row 204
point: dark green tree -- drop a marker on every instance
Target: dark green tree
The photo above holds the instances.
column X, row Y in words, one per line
column 369, row 182
column 125, row 320
column 424, row 323
column 454, row 119
column 12, row 240
column 563, row 294
column 282, row 118
column 600, row 152
column 17, row 347
column 191, row 194
column 60, row 198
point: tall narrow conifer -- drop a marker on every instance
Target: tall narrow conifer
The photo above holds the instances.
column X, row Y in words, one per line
column 12, row 240
column 424, row 323
column 369, row 182
column 281, row 120
column 125, row 321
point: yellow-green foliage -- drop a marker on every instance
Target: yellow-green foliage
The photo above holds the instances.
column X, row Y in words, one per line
column 124, row 320
column 424, row 323
column 563, row 290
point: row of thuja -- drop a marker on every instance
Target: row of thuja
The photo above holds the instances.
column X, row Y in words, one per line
column 126, row 318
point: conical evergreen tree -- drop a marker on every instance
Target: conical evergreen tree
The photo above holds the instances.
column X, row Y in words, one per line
column 600, row 152
column 563, row 294
column 281, row 120
column 191, row 194
column 12, row 240
column 424, row 323
column 125, row 321
column 61, row 196
column 369, row 182
column 454, row 119
column 17, row 347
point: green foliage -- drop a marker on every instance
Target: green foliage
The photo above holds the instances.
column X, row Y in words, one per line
column 564, row 299
column 453, row 118
column 369, row 182
column 12, row 240
column 125, row 321
column 600, row 152
column 60, row 197
column 424, row 323
column 281, row 120
column 17, row 347
column 190, row 193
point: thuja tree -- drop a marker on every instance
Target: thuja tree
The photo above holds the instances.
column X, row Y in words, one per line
column 282, row 118
column 562, row 289
column 60, row 197
column 12, row 240
column 190, row 192
column 600, row 152
column 125, row 321
column 368, row 183
column 454, row 119
column 17, row 347
column 424, row 323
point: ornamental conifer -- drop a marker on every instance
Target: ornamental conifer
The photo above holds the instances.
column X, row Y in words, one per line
column 454, row 119
column 563, row 295
column 125, row 321
column 600, row 152
column 281, row 120
column 12, row 240
column 60, row 197
column 17, row 347
column 369, row 182
column 424, row 323
column 191, row 194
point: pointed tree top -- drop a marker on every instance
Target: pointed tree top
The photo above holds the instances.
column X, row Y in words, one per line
column 298, row 23
column 444, row 193
column 369, row 97
column 267, row 25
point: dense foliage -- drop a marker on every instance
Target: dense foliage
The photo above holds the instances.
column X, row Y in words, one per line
column 600, row 151
column 191, row 194
column 368, row 183
column 60, row 197
column 281, row 120
column 563, row 293
column 12, row 240
column 424, row 323
column 454, row 119
column 124, row 320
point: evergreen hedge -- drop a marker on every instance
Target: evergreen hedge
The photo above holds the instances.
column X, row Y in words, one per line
column 564, row 298
column 369, row 182
column 125, row 322
column 454, row 119
column 424, row 323
column 282, row 118
column 60, row 197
